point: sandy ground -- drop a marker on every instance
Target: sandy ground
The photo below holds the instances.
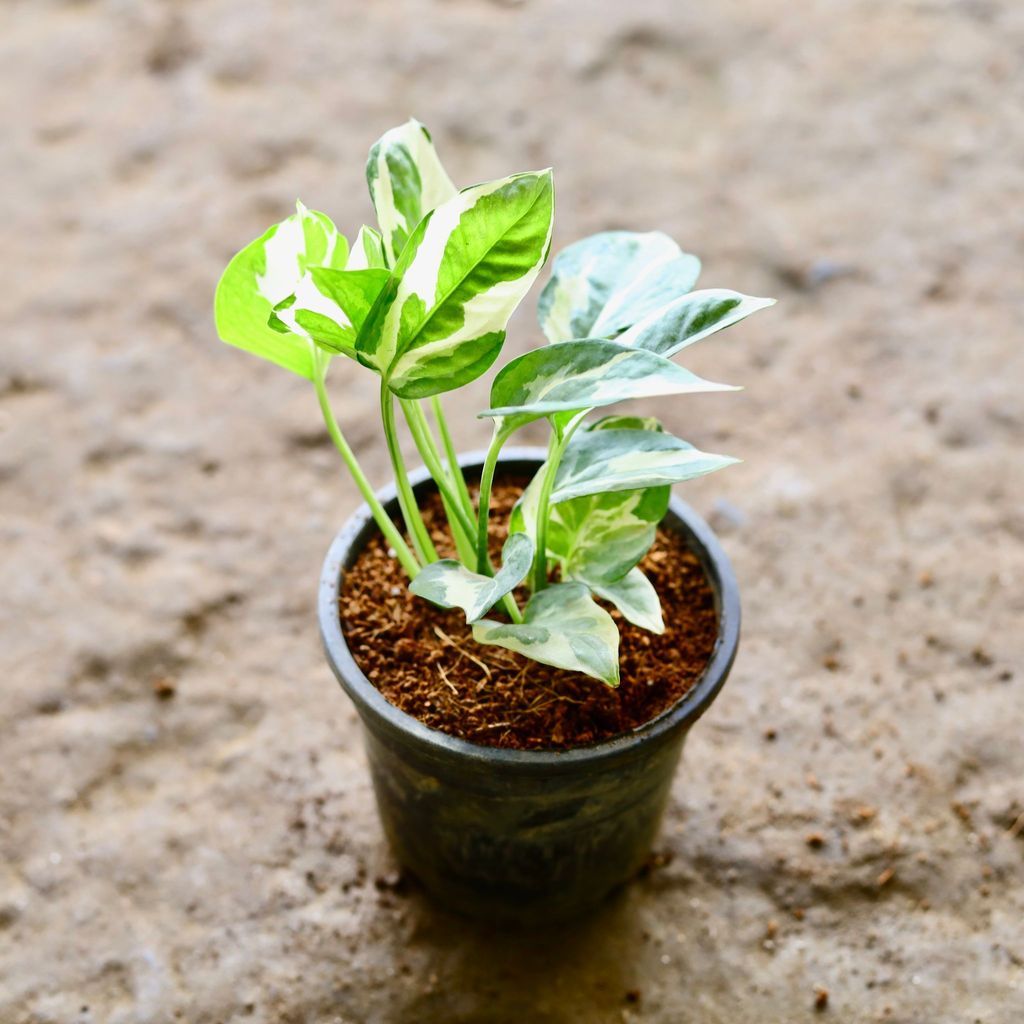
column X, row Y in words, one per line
column 165, row 502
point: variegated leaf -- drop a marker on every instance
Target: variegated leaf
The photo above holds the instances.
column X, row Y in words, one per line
column 268, row 271
column 440, row 320
column 608, row 281
column 592, row 373
column 329, row 306
column 634, row 595
column 598, row 538
column 564, row 627
column 406, row 182
column 622, row 460
column 451, row 585
column 367, row 251
column 690, row 318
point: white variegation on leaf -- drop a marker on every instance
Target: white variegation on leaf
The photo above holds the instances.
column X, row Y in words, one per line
column 599, row 537
column 406, row 182
column 587, row 374
column 562, row 626
column 266, row 272
column 367, row 251
column 691, row 318
column 329, row 306
column 622, row 460
column 605, row 283
column 451, row 585
column 440, row 321
column 634, row 595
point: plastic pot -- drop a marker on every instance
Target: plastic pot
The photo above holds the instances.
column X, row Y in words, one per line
column 517, row 835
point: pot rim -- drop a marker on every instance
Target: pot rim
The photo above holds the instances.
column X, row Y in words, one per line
column 378, row 712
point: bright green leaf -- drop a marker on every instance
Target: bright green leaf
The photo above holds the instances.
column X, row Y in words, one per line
column 367, row 251
column 602, row 284
column 268, row 271
column 451, row 585
column 440, row 320
column 406, row 182
column 329, row 306
column 564, row 627
column 691, row 318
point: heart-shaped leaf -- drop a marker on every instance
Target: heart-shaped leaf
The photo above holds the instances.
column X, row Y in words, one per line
column 440, row 320
column 564, row 627
column 608, row 281
column 268, row 271
column 406, row 182
column 587, row 374
column 620, row 460
column 690, row 318
column 450, row 585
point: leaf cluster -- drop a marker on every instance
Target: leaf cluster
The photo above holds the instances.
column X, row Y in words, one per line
column 422, row 301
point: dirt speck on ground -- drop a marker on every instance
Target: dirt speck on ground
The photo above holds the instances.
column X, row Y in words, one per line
column 187, row 829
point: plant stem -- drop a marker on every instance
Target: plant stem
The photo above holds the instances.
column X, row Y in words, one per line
column 483, row 558
column 421, row 541
column 382, row 519
column 452, row 456
column 459, row 522
column 560, row 438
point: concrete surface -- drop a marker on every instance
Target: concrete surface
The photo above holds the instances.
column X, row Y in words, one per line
column 850, row 817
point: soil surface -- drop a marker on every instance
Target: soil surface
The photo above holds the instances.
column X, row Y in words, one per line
column 424, row 659
column 187, row 828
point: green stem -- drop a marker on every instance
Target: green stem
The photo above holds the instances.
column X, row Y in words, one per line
column 421, row 541
column 560, row 438
column 483, row 558
column 460, row 523
column 382, row 519
column 454, row 469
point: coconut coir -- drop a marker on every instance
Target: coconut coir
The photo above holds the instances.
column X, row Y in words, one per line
column 424, row 659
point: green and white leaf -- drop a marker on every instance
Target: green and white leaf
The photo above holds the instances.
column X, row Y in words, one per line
column 440, row 321
column 329, row 306
column 266, row 272
column 598, row 537
column 562, row 626
column 406, row 182
column 621, row 460
column 634, row 595
column 691, row 318
column 603, row 284
column 367, row 251
column 587, row 374
column 449, row 584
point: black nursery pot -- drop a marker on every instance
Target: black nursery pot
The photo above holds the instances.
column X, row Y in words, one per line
column 522, row 835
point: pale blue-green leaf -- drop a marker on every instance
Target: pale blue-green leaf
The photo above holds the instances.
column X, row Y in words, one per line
column 440, row 320
column 634, row 596
column 621, row 460
column 596, row 282
column 562, row 626
column 268, row 271
column 451, row 585
column 691, row 318
column 406, row 182
column 598, row 537
column 577, row 375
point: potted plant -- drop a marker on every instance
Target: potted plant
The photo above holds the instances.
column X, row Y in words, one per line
column 520, row 771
